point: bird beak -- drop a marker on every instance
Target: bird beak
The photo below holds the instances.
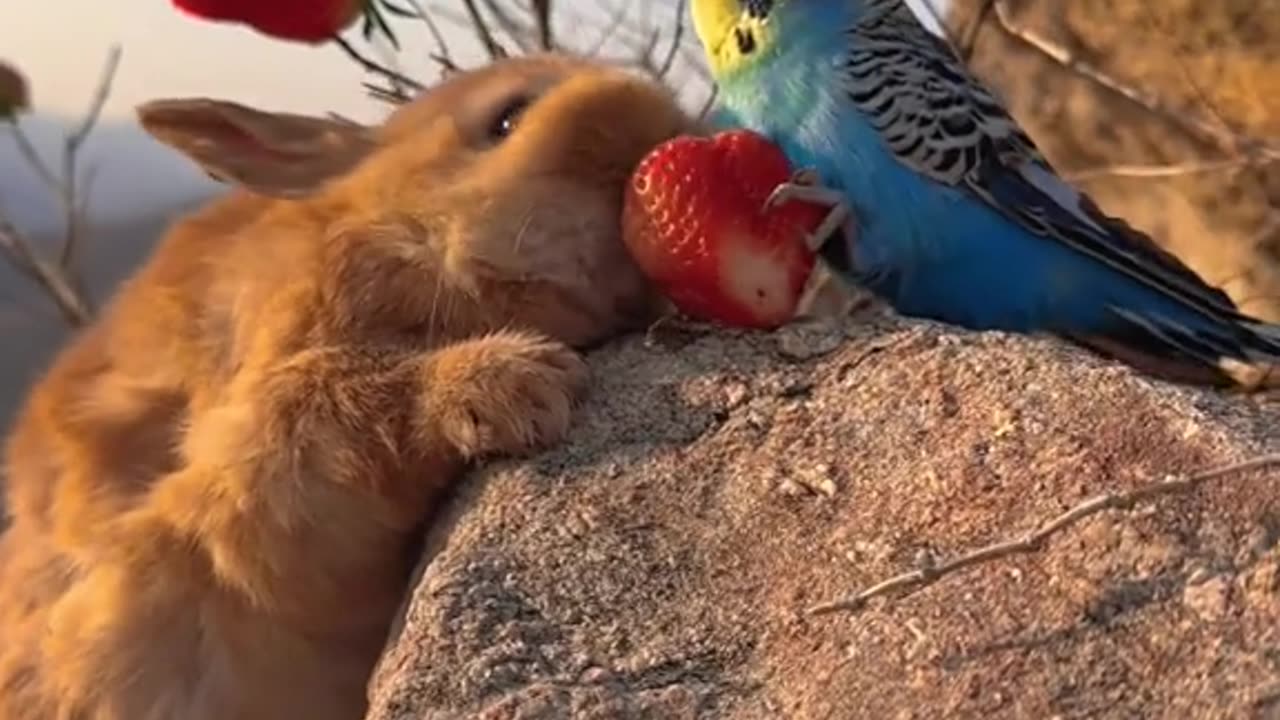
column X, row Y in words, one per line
column 713, row 20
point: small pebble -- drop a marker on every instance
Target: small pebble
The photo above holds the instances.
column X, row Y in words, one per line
column 804, row 341
column 1209, row 599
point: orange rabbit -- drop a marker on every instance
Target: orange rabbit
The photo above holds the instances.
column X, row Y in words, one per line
column 215, row 490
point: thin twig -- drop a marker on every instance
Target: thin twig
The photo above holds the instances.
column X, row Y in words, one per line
column 442, row 46
column 73, row 209
column 390, row 95
column 709, row 104
column 398, row 81
column 677, row 39
column 1187, row 77
column 483, row 32
column 1193, row 167
column 1199, row 127
column 518, row 32
column 616, row 18
column 70, row 301
column 60, row 279
column 1033, row 542
column 542, row 21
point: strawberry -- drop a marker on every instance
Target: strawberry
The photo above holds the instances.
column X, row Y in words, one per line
column 307, row 21
column 694, row 220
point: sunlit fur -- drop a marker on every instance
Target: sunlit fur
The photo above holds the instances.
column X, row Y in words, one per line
column 215, row 490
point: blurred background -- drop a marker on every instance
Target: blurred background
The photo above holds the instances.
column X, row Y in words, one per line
column 1164, row 109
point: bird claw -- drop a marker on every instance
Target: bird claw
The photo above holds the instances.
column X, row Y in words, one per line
column 804, row 185
column 799, row 186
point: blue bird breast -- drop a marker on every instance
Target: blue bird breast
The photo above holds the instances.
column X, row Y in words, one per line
column 935, row 251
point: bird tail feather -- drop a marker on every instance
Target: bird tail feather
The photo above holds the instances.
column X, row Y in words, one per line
column 1245, row 353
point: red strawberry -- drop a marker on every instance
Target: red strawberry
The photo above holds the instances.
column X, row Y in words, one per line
column 307, row 21
column 694, row 221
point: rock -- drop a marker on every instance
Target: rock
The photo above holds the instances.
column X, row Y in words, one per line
column 1209, row 598
column 653, row 567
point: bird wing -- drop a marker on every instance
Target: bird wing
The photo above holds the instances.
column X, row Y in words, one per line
column 941, row 122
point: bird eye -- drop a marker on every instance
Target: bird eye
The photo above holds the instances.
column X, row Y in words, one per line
column 508, row 117
column 759, row 9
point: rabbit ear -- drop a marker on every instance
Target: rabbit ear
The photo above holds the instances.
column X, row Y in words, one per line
column 276, row 154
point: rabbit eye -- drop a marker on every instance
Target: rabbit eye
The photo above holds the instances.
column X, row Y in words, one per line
column 507, row 119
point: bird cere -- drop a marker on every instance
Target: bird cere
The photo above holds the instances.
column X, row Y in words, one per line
column 930, row 196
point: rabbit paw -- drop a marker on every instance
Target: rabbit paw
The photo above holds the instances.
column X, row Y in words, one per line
column 505, row 393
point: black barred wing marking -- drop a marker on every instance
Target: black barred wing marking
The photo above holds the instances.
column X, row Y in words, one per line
column 940, row 121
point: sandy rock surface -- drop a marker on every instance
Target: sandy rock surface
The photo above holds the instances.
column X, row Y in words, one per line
column 660, row 565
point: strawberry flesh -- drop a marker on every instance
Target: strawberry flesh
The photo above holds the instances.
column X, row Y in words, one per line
column 694, row 220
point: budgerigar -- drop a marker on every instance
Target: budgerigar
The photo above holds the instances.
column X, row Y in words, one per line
column 949, row 210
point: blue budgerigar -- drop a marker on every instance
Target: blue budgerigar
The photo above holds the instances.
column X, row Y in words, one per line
column 948, row 209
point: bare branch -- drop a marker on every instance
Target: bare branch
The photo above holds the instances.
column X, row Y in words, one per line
column 616, row 18
column 400, row 84
column 441, row 56
column 1193, row 167
column 1201, row 96
column 677, row 38
column 519, row 33
column 930, row 573
column 1199, row 127
column 75, row 210
column 709, row 103
column 542, row 21
column 70, row 301
column 482, row 31
column 60, row 279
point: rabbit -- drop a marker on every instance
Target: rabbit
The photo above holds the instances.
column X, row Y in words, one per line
column 215, row 489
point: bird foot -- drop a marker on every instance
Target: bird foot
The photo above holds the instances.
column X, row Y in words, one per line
column 805, row 186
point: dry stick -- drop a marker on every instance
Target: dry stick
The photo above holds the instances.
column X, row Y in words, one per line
column 931, row 573
column 514, row 29
column 75, row 213
column 1065, row 58
column 542, row 20
column 65, row 188
column 1201, row 96
column 1197, row 126
column 644, row 58
column 442, row 56
column 398, row 80
column 69, row 299
column 709, row 103
column 60, row 279
column 616, row 18
column 389, row 95
column 482, row 31
column 677, row 39
column 1193, row 167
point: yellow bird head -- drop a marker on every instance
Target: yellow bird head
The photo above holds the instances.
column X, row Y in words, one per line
column 735, row 34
